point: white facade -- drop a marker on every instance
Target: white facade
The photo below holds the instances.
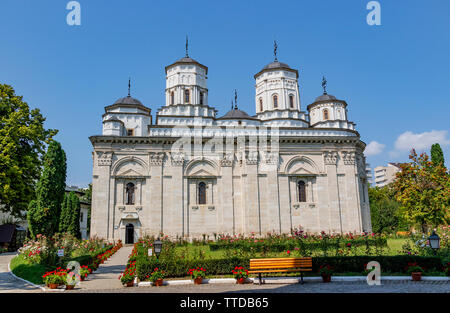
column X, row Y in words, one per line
column 193, row 173
column 385, row 174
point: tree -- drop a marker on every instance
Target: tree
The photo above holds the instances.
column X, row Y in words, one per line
column 437, row 156
column 22, row 142
column 73, row 226
column 50, row 192
column 88, row 198
column 423, row 190
column 383, row 210
column 65, row 214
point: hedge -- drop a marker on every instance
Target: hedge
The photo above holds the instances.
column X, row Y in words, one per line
column 291, row 244
column 354, row 264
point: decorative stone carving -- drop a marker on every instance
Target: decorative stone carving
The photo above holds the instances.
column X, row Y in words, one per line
column 330, row 157
column 157, row 158
column 252, row 157
column 104, row 158
column 177, row 158
column 227, row 159
column 349, row 157
column 271, row 158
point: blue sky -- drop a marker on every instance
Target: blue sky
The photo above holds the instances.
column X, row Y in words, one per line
column 394, row 77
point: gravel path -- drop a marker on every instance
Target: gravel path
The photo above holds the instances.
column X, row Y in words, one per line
column 8, row 283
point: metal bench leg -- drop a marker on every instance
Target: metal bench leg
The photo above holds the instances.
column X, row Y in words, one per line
column 301, row 276
column 260, row 279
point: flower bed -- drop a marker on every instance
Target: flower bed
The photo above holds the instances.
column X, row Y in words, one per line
column 38, row 257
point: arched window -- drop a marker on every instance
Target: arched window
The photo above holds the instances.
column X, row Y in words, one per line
column 130, row 193
column 201, row 97
column 275, row 101
column 201, row 193
column 325, row 114
column 260, row 104
column 291, row 101
column 186, row 96
column 301, row 191
column 172, row 98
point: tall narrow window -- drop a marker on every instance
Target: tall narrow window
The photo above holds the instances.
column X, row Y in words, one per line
column 201, row 193
column 301, row 191
column 260, row 104
column 275, row 101
column 130, row 132
column 186, row 96
column 325, row 114
column 130, row 193
column 201, row 97
column 291, row 101
column 172, row 98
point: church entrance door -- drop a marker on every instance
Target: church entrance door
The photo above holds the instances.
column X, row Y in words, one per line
column 129, row 234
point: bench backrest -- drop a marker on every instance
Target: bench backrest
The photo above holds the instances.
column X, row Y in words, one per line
column 279, row 263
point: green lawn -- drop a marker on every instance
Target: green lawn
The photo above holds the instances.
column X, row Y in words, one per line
column 394, row 247
column 27, row 271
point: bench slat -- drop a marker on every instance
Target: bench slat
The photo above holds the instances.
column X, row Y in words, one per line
column 281, row 271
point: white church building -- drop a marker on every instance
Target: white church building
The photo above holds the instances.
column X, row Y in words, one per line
column 190, row 171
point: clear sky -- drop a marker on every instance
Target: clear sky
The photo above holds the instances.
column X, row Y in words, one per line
column 394, row 77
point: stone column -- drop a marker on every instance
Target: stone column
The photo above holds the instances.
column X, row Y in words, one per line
column 173, row 220
column 252, row 221
column 155, row 186
column 334, row 211
column 226, row 208
column 351, row 211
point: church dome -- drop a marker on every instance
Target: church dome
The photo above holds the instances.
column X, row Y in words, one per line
column 236, row 114
column 325, row 97
column 128, row 101
column 276, row 64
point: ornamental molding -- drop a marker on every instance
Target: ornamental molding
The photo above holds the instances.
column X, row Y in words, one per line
column 271, row 158
column 251, row 157
column 227, row 160
column 330, row 157
column 157, row 158
column 349, row 157
column 104, row 158
column 177, row 158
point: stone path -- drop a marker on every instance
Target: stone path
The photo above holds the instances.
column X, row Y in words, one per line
column 309, row 287
column 107, row 275
column 8, row 283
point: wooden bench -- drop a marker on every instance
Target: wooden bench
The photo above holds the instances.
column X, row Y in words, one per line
column 280, row 265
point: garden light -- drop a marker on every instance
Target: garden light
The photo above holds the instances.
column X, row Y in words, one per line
column 158, row 247
column 434, row 241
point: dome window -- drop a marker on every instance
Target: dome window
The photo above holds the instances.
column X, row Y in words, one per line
column 325, row 114
column 291, row 101
column 201, row 97
column 261, row 104
column 172, row 98
column 275, row 101
column 186, row 96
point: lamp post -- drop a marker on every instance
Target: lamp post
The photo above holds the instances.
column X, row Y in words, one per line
column 435, row 241
column 157, row 244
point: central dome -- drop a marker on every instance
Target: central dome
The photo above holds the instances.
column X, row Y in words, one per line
column 128, row 100
column 324, row 97
column 236, row 114
column 276, row 64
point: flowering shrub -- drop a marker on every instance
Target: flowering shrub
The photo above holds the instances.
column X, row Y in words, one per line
column 197, row 272
column 157, row 274
column 240, row 272
column 414, row 267
column 85, row 270
column 325, row 270
column 57, row 276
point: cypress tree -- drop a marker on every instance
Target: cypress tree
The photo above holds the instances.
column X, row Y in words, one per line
column 65, row 214
column 74, row 215
column 45, row 214
column 437, row 156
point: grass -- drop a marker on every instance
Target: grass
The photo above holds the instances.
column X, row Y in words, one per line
column 27, row 271
column 394, row 247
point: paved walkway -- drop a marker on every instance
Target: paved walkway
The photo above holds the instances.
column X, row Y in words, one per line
column 308, row 287
column 8, row 283
column 107, row 275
